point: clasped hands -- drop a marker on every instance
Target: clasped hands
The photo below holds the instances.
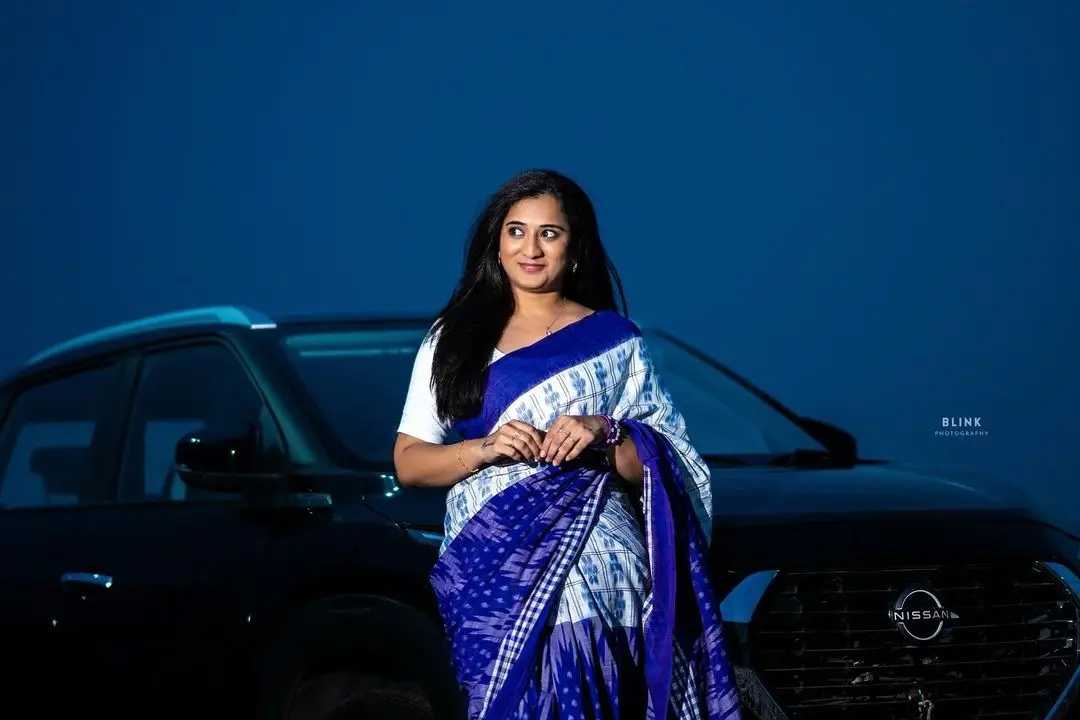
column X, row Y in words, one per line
column 565, row 440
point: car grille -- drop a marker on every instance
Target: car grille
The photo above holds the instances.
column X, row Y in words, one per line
column 824, row 642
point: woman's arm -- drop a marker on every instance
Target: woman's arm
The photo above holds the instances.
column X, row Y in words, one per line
column 420, row 457
column 624, row 459
column 423, row 464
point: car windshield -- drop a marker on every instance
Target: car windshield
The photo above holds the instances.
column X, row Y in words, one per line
column 358, row 378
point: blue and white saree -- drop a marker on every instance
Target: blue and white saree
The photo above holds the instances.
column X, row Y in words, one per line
column 565, row 595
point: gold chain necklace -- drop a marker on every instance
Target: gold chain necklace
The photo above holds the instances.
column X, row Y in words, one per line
column 562, row 303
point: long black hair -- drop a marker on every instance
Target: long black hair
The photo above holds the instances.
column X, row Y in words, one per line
column 472, row 322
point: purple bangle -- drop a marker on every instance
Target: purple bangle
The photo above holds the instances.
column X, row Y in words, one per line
column 614, row 431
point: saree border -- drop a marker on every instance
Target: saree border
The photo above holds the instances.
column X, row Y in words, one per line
column 517, row 373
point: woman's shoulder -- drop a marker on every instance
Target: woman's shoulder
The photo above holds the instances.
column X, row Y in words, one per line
column 616, row 322
column 429, row 342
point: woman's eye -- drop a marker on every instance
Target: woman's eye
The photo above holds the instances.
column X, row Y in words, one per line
column 515, row 232
column 550, row 233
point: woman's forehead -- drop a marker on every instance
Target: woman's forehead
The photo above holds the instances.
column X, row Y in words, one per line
column 542, row 210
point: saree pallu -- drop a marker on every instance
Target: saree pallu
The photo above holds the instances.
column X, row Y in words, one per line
column 564, row 594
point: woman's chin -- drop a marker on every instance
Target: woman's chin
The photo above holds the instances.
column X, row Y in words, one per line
column 531, row 283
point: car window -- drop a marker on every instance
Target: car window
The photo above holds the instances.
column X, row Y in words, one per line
column 179, row 391
column 358, row 380
column 47, row 442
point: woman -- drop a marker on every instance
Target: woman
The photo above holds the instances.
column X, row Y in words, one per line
column 558, row 601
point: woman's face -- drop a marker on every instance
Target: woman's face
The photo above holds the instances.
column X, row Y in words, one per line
column 534, row 244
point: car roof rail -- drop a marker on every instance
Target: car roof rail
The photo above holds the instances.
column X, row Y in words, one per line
column 216, row 315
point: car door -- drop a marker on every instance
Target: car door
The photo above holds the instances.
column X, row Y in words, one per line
column 184, row 565
column 54, row 444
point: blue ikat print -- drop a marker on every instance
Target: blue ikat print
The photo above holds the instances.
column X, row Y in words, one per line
column 578, row 383
column 615, row 566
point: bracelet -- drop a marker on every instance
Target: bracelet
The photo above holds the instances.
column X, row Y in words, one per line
column 468, row 470
column 614, row 434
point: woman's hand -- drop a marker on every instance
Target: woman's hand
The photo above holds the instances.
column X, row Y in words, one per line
column 515, row 441
column 569, row 435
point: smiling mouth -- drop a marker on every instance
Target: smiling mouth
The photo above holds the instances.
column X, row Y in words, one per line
column 531, row 267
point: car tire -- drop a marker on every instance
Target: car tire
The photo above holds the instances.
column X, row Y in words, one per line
column 377, row 700
column 344, row 643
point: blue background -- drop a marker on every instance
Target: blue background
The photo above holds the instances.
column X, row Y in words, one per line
column 870, row 208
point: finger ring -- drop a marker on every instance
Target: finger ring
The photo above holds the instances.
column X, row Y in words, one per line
column 564, row 431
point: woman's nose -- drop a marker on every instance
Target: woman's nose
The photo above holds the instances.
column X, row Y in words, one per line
column 532, row 247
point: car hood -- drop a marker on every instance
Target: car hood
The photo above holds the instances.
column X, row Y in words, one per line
column 874, row 514
column 888, row 514
column 778, row 494
column 865, row 488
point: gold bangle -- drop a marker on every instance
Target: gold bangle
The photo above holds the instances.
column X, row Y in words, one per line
column 461, row 462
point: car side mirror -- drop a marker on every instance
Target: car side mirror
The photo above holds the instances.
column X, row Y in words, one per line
column 836, row 440
column 230, row 460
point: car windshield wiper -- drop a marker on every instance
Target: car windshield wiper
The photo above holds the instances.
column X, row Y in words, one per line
column 723, row 459
column 805, row 457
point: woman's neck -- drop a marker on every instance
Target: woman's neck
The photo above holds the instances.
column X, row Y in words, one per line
column 537, row 305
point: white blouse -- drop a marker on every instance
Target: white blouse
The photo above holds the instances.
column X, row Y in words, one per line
column 420, row 418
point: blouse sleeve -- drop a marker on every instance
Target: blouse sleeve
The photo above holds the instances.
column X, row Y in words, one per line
column 419, row 418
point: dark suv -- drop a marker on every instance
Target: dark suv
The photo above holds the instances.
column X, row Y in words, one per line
column 200, row 519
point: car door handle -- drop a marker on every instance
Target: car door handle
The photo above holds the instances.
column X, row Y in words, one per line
column 81, row 578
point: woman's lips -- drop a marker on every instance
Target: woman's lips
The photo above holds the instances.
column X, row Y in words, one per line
column 531, row 267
